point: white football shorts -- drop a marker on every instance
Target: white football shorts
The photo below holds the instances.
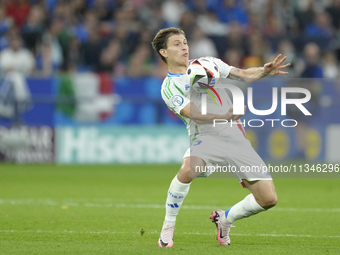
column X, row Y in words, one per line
column 230, row 153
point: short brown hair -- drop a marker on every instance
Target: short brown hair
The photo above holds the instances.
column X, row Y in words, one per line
column 161, row 39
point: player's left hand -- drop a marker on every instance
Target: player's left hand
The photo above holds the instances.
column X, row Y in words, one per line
column 275, row 67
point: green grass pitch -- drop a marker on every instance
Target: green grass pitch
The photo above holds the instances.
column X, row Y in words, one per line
column 48, row 209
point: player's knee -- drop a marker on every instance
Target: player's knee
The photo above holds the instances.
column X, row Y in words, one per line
column 269, row 201
column 273, row 201
column 185, row 169
column 184, row 174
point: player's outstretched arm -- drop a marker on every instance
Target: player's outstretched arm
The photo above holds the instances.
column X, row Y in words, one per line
column 256, row 73
column 192, row 112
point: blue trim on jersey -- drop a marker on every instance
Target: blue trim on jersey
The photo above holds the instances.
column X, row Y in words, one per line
column 227, row 212
column 179, row 74
column 174, row 74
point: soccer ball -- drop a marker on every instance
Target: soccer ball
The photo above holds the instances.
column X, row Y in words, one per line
column 202, row 75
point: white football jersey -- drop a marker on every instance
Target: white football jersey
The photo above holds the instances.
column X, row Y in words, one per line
column 177, row 94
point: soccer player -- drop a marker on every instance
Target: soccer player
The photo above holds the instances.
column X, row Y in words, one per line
column 225, row 145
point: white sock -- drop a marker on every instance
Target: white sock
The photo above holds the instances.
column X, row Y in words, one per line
column 176, row 194
column 243, row 209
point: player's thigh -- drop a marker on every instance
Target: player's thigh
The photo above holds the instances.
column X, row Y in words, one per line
column 191, row 168
column 249, row 164
column 263, row 191
column 196, row 158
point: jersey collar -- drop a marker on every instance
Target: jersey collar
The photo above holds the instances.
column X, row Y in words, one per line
column 174, row 74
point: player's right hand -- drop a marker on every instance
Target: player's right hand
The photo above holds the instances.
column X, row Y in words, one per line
column 230, row 116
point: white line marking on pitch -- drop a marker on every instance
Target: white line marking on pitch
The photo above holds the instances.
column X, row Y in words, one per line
column 69, row 202
column 156, row 233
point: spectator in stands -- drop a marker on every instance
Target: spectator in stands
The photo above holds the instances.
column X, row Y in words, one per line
column 127, row 40
column 334, row 12
column 91, row 50
column 312, row 68
column 254, row 6
column 141, row 62
column 198, row 6
column 287, row 17
column 5, row 24
column 201, row 45
column 78, row 8
column 73, row 56
column 273, row 27
column 305, row 14
column 230, row 10
column 210, row 24
column 64, row 11
column 50, row 4
column 16, row 63
column 258, row 51
column 5, row 21
column 127, row 16
column 110, row 59
column 320, row 27
column 44, row 59
column 33, row 29
column 228, row 23
column 233, row 57
column 18, row 10
column 81, row 30
column 330, row 67
column 104, row 9
column 145, row 36
column 150, row 15
column 188, row 23
column 126, row 29
column 50, row 56
column 16, row 58
column 234, row 39
column 172, row 11
column 254, row 24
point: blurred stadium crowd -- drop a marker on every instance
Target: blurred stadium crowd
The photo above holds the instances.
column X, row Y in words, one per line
column 44, row 37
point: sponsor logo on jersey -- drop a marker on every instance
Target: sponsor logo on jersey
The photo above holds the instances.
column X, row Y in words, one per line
column 177, row 100
column 198, row 142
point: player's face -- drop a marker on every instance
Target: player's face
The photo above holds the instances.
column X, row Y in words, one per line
column 177, row 51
